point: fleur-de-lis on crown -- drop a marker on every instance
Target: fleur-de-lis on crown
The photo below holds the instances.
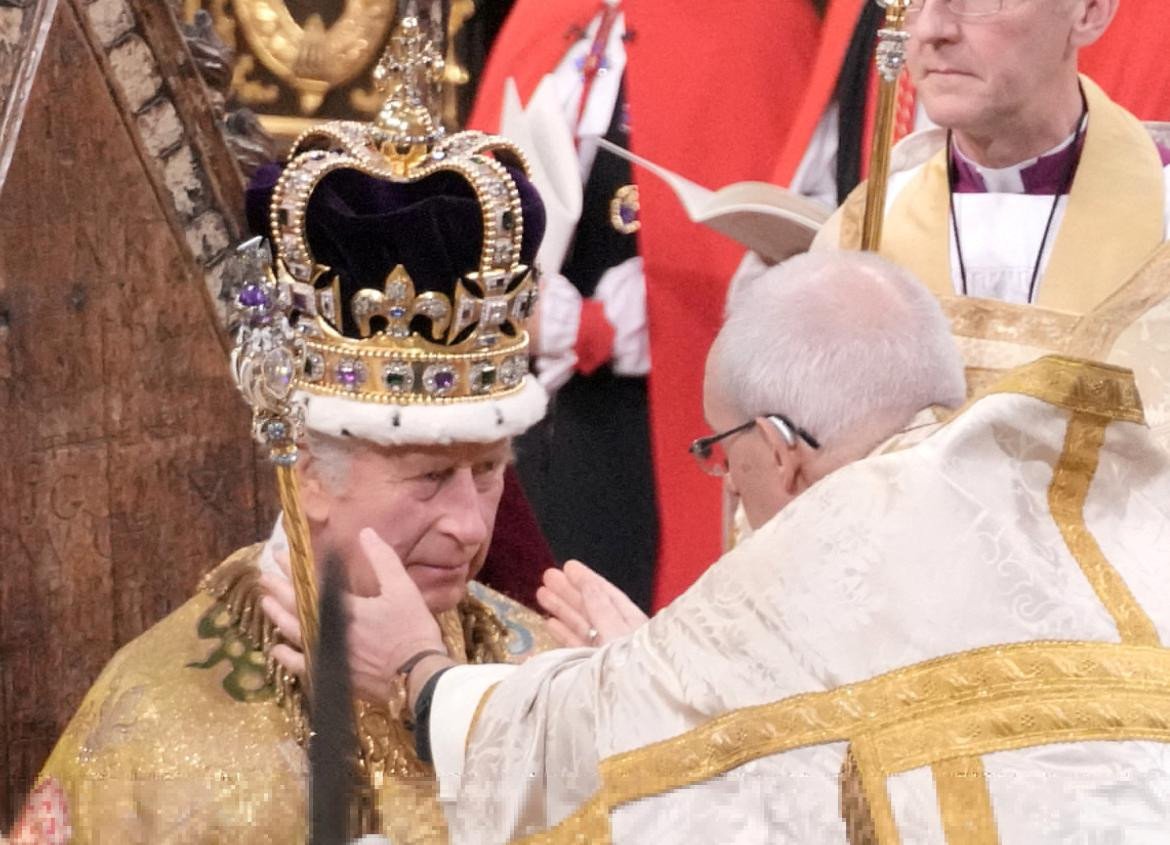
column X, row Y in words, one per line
column 491, row 303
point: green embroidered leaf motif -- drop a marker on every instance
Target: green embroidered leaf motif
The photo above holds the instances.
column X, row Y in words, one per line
column 247, row 681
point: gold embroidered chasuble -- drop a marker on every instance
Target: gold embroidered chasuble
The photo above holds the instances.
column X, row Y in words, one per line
column 192, row 735
column 963, row 641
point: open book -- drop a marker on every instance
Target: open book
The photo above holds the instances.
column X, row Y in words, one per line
column 772, row 221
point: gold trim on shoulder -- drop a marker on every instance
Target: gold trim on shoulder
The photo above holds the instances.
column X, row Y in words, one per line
column 1083, row 387
column 977, row 702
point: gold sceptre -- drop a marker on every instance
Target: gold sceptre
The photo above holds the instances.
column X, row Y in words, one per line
column 890, row 58
column 268, row 351
column 300, row 554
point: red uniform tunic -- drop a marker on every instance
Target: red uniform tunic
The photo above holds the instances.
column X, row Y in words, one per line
column 712, row 91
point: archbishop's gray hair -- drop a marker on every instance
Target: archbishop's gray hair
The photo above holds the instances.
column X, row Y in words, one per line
column 842, row 343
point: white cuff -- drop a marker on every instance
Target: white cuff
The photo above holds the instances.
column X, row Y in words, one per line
column 622, row 293
column 560, row 314
column 456, row 700
column 560, row 320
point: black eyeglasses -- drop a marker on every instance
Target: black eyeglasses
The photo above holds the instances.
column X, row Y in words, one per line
column 711, row 457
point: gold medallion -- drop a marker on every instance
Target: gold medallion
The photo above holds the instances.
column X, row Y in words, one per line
column 624, row 210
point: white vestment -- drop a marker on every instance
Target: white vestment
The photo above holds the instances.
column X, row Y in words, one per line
column 1040, row 513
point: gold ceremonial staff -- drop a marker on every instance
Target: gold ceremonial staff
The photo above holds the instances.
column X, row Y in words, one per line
column 890, row 58
column 267, row 354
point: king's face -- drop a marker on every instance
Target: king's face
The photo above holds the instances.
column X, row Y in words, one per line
column 435, row 505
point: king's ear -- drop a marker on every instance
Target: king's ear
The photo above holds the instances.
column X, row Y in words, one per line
column 315, row 494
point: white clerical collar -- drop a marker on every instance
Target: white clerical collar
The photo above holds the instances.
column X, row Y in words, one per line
column 1010, row 179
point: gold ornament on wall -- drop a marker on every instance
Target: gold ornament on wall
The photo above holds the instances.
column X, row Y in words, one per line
column 295, row 69
column 312, row 57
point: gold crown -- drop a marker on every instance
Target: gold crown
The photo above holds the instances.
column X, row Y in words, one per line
column 468, row 346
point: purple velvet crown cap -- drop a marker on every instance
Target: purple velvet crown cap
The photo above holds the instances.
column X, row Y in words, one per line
column 362, row 228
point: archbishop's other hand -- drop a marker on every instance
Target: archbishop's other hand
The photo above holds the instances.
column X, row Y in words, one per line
column 584, row 608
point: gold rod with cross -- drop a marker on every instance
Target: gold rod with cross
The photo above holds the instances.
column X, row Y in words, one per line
column 890, row 58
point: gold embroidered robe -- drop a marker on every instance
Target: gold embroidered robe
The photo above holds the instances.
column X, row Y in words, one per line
column 190, row 735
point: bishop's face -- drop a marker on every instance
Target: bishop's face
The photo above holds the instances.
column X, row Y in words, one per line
column 435, row 505
column 984, row 75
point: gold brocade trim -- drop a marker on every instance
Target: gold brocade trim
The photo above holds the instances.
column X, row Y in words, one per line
column 1066, row 499
column 1083, row 387
column 1034, row 327
column 1071, row 713
column 964, row 801
column 1008, row 322
column 980, row 380
column 1115, row 217
column 999, row 698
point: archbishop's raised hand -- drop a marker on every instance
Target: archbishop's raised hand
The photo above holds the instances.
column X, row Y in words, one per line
column 584, row 608
column 385, row 630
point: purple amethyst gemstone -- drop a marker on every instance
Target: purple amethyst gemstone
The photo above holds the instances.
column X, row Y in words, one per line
column 348, row 375
column 254, row 296
column 628, row 213
column 444, row 380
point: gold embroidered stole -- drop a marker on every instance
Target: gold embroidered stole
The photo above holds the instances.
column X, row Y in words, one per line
column 1112, row 223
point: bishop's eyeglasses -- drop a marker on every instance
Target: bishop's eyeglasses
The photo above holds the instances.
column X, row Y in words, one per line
column 962, row 8
column 709, row 454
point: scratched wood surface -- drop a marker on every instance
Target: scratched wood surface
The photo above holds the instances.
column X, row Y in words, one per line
column 125, row 469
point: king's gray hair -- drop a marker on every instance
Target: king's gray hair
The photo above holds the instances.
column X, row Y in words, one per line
column 331, row 458
column 840, row 342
